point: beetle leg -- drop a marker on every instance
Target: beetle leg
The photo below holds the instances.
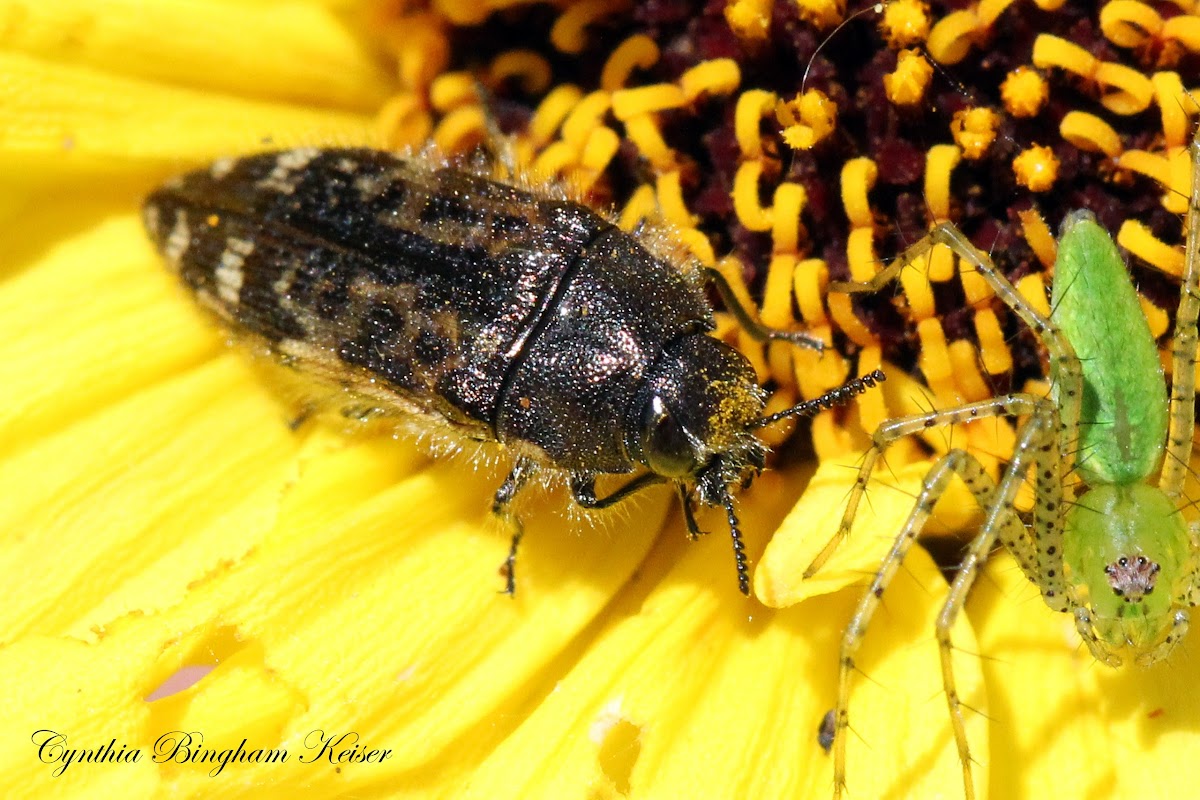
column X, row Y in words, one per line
column 583, row 489
column 689, row 514
column 757, row 330
column 517, row 478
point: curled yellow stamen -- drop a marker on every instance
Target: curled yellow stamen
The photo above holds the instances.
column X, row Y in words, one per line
column 997, row 358
column 1036, row 168
column 858, row 178
column 403, row 122
column 460, row 130
column 919, row 293
column 715, row 77
column 421, row 50
column 786, row 208
column 940, row 161
column 1033, row 288
column 601, row 145
column 1128, row 23
column 1090, row 133
column 746, row 203
column 952, row 37
column 670, row 200
column 698, row 245
column 906, row 85
column 964, row 360
column 451, row 90
column 637, row 52
column 841, row 311
column 531, row 69
column 860, row 253
column 1024, row 92
column 1135, row 237
column 642, row 204
column 551, row 112
column 585, row 117
column 752, row 106
column 976, row 290
column 1172, row 101
column 629, row 103
column 974, row 130
column 809, row 281
column 568, row 34
column 1037, row 234
column 1123, row 90
column 643, row 131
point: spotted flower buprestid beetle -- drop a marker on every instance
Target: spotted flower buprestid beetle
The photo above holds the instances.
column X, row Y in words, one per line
column 477, row 309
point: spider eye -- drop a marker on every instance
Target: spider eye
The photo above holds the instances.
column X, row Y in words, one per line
column 667, row 447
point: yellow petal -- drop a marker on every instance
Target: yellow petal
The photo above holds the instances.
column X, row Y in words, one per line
column 297, row 51
column 698, row 693
column 56, row 119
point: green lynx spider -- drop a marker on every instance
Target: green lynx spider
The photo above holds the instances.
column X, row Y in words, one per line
column 1096, row 552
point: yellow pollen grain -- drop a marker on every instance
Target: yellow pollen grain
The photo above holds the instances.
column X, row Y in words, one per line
column 1136, row 237
column 717, row 76
column 637, row 52
column 907, row 84
column 752, row 106
column 749, row 19
column 1037, row 233
column 569, row 35
column 212, row 220
column 1090, row 133
column 997, row 358
column 530, row 69
column 905, row 23
column 810, row 280
column 858, row 178
column 974, row 130
column 940, row 161
column 787, row 205
column 1127, row 23
column 643, row 131
column 629, row 103
column 1024, row 92
column 745, row 195
column 821, row 13
column 1036, row 168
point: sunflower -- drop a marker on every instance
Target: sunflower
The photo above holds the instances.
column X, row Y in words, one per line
column 203, row 601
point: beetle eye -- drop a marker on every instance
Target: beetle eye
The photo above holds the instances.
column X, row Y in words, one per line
column 666, row 445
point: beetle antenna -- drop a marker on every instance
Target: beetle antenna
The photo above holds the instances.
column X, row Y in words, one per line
column 739, row 547
column 834, row 397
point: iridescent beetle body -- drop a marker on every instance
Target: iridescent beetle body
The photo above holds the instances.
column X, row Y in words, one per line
column 492, row 311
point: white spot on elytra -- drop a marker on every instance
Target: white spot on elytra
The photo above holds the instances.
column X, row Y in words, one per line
column 282, row 178
column 221, row 167
column 229, row 273
column 150, row 217
column 178, row 240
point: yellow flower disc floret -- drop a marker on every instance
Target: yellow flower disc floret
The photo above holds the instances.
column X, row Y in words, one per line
column 974, row 130
column 906, row 85
column 1024, row 92
column 1036, row 168
column 905, row 23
